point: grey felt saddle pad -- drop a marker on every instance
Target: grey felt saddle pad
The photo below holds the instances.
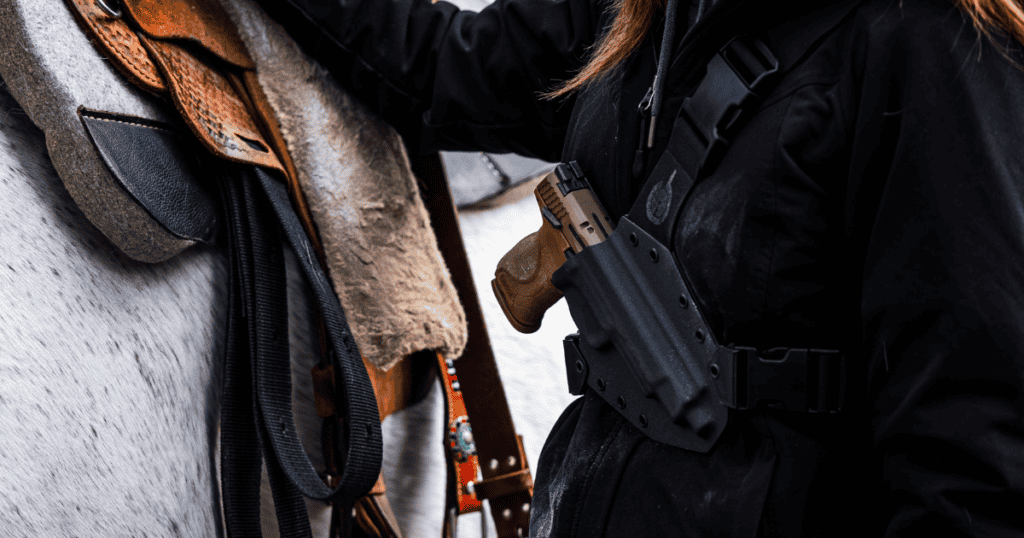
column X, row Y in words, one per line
column 52, row 70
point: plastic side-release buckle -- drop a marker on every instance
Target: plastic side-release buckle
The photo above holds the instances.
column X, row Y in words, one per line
column 806, row 380
column 736, row 77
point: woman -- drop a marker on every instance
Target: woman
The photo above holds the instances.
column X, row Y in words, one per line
column 869, row 201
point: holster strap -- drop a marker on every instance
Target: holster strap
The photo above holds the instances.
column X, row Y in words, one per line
column 808, row 380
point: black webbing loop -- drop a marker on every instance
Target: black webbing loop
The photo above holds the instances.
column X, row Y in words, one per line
column 271, row 361
column 257, row 412
column 364, row 442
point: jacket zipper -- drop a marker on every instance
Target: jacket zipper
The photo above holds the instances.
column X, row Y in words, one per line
column 644, row 110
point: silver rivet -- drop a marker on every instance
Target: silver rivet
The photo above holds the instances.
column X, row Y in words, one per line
column 493, row 465
column 519, row 532
column 506, row 513
column 470, row 487
column 451, row 371
column 456, row 386
column 511, row 461
column 526, row 508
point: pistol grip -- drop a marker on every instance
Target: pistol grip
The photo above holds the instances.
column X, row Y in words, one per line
column 522, row 281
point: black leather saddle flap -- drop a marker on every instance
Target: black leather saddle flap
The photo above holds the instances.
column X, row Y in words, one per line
column 159, row 168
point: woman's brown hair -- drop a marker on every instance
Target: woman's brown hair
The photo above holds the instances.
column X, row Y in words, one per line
column 631, row 24
column 633, row 20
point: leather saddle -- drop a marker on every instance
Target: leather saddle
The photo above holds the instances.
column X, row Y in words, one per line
column 215, row 168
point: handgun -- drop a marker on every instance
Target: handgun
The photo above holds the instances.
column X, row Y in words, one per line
column 573, row 219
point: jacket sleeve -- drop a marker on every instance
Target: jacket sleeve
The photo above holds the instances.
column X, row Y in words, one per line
column 943, row 295
column 450, row 79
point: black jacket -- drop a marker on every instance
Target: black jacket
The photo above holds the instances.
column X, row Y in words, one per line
column 874, row 202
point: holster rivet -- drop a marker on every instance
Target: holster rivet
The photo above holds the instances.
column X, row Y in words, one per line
column 699, row 335
column 579, row 367
column 643, row 420
column 654, row 255
column 684, row 301
column 632, row 239
column 714, row 370
column 600, row 383
column 621, row 401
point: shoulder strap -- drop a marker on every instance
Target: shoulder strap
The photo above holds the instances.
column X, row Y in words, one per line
column 738, row 77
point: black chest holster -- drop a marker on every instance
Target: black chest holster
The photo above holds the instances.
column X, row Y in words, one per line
column 643, row 344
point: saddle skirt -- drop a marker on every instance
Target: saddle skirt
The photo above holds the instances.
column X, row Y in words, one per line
column 383, row 258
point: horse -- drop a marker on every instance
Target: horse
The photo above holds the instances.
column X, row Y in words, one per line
column 111, row 371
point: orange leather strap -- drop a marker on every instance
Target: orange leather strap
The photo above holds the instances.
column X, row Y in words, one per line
column 500, row 450
column 460, row 446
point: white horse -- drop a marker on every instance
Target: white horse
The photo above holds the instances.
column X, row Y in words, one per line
column 109, row 371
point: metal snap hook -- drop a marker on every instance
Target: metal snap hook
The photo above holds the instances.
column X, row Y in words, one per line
column 113, row 10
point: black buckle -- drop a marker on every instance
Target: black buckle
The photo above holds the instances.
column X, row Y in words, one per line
column 808, row 380
column 735, row 78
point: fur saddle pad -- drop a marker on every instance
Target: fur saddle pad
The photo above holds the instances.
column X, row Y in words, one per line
column 382, row 255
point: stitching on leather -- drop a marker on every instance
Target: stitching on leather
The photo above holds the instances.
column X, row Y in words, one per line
column 104, row 33
column 155, row 128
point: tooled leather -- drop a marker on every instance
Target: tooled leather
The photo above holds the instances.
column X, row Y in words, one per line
column 120, row 45
column 211, row 108
column 201, row 21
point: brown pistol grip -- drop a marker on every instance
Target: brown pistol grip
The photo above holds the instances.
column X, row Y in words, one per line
column 522, row 281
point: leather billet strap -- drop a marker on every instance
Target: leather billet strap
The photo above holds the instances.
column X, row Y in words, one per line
column 499, row 449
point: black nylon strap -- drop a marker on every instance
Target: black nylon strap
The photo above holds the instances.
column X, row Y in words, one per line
column 257, row 386
column 258, row 315
column 730, row 91
column 239, row 463
column 364, row 442
column 271, row 361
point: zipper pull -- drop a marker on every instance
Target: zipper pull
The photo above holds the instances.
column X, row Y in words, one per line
column 643, row 109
